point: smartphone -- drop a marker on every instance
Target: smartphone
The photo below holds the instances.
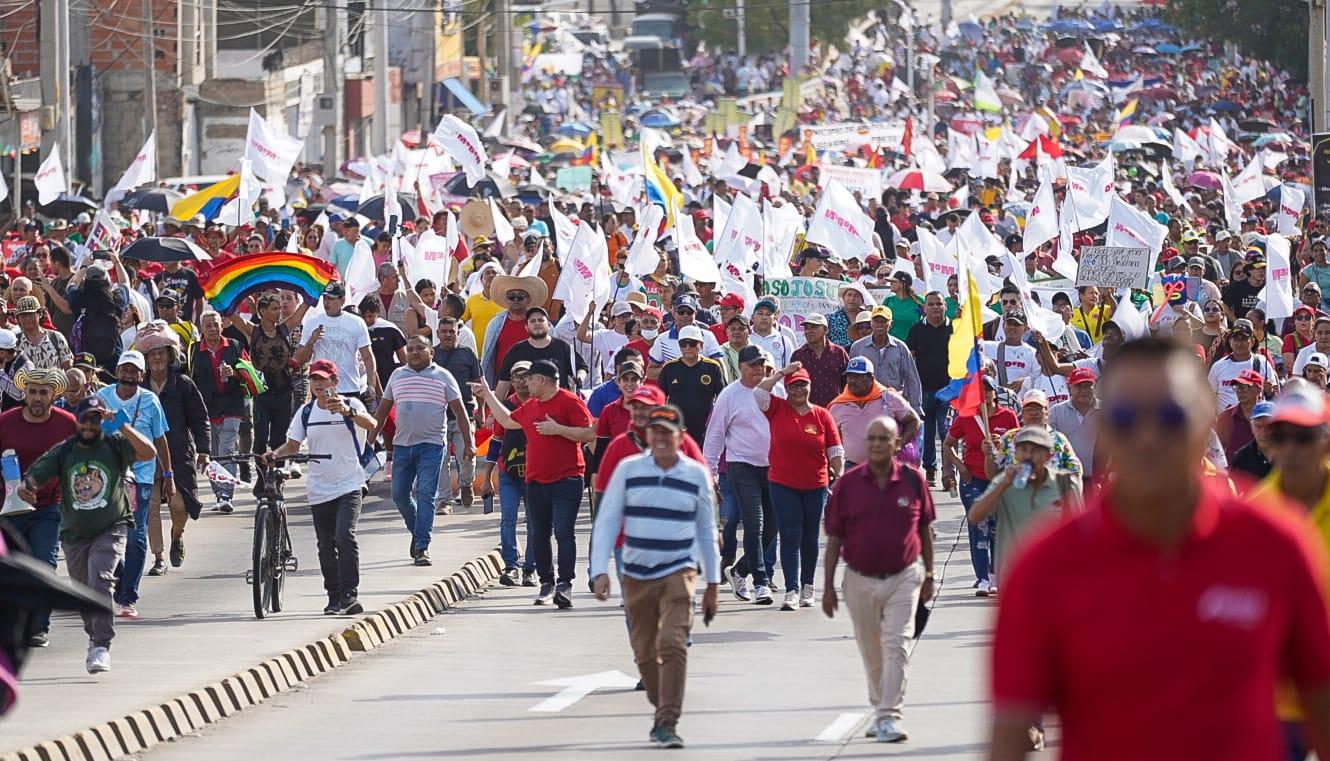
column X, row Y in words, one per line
column 329, row 392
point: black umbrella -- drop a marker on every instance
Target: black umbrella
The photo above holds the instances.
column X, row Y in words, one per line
column 372, row 207
column 165, row 250
column 68, row 206
column 159, row 200
column 490, row 186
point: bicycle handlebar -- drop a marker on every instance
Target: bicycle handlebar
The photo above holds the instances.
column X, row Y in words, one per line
column 260, row 458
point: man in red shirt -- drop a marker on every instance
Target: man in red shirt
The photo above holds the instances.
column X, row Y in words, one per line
column 879, row 518
column 970, row 433
column 556, row 423
column 1157, row 623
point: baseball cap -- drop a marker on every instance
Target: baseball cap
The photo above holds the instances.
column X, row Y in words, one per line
column 751, row 353
column 688, row 301
column 322, row 368
column 1244, row 327
column 1035, row 396
column 864, row 316
column 650, row 395
column 621, row 307
column 335, row 289
column 631, row 366
column 1196, row 261
column 653, row 311
column 1318, row 359
column 95, row 272
column 739, row 318
column 519, row 368
column 132, row 357
column 27, row 305
column 859, row 366
column 90, row 404
column 544, row 367
column 85, row 359
column 1034, row 434
column 731, row 301
column 666, row 416
column 1014, row 239
column 1017, row 317
column 1081, row 375
column 1175, row 263
column 1223, row 235
column 1300, row 408
column 881, row 311
column 1257, row 261
column 690, row 333
column 768, row 302
column 1248, row 377
column 798, row 376
column 169, row 296
column 1262, row 410
column 816, row 318
column 7, row 339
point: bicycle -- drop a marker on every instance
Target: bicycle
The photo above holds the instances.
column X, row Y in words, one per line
column 273, row 557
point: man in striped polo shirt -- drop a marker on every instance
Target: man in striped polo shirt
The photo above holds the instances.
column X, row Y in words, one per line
column 424, row 394
column 665, row 506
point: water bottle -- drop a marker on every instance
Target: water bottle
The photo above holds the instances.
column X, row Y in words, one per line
column 1022, row 476
column 13, row 505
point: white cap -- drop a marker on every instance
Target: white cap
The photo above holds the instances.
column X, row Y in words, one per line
column 691, row 332
column 7, row 339
column 1318, row 359
column 621, row 307
column 132, row 357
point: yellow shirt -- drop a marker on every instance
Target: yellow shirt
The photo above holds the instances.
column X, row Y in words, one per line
column 479, row 311
column 1092, row 320
column 1287, row 706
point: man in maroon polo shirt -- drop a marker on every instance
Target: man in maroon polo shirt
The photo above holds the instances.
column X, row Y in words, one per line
column 824, row 361
column 1157, row 623
column 879, row 518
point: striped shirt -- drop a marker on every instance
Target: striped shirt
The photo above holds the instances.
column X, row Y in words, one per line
column 421, row 398
column 668, row 519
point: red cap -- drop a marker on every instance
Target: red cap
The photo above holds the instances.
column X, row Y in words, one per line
column 651, row 395
column 986, row 217
column 1081, row 375
column 1248, row 377
column 732, row 300
column 322, row 368
column 1304, row 309
column 797, row 376
column 653, row 311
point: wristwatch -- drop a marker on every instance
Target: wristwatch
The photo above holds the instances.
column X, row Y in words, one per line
column 928, row 574
column 167, row 474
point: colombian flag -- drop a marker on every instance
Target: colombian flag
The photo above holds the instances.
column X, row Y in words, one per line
column 198, row 203
column 660, row 189
column 1123, row 117
column 964, row 357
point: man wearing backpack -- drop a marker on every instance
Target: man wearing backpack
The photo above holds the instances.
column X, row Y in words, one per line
column 328, row 424
column 213, row 370
column 94, row 513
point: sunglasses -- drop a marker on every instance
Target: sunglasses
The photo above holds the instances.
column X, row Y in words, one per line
column 516, row 296
column 1168, row 415
column 1302, row 436
column 1213, row 310
column 689, row 342
column 1303, row 318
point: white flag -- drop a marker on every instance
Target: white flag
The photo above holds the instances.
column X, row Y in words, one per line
column 459, row 140
column 1090, row 64
column 720, row 212
column 740, row 242
column 1041, row 224
column 1247, row 186
column 1129, row 319
column 691, row 177
column 1185, row 149
column 240, row 210
column 1218, row 144
column 695, row 261
column 271, row 152
column 392, row 206
column 732, row 162
column 1166, row 178
column 1089, row 191
column 782, row 228
column 503, row 229
column 4, row 188
column 642, row 255
column 1291, row 201
column 586, row 272
column 1232, row 209
column 1278, row 292
column 939, row 264
column 961, row 150
column 430, row 258
column 564, row 232
column 360, row 278
column 141, row 171
column 50, row 178
column 840, row 225
column 1131, row 227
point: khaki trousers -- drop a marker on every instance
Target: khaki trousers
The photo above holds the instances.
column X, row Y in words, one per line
column 179, row 517
column 660, row 614
column 882, row 611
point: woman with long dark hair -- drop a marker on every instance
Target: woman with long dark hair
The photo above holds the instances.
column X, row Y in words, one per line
column 97, row 309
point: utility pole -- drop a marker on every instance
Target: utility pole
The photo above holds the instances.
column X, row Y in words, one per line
column 503, row 52
column 739, row 22
column 799, row 21
column 380, row 24
column 16, row 187
column 1316, row 65
column 65, row 135
column 482, row 52
column 149, row 69
column 333, row 73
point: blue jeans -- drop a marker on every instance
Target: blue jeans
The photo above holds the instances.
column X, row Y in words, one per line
column 41, row 530
column 511, row 491
column 551, row 509
column 416, row 465
column 729, row 512
column 749, row 483
column 799, row 515
column 136, row 548
column 935, row 418
column 982, row 536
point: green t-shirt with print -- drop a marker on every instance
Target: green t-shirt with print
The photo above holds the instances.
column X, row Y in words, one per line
column 92, row 480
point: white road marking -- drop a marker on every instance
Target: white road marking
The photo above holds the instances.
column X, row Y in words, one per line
column 577, row 687
column 840, row 727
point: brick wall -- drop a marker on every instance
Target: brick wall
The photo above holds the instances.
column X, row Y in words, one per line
column 18, row 41
column 115, row 29
column 123, row 104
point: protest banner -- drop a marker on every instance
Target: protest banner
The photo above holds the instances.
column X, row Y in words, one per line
column 802, row 296
column 838, row 137
column 866, row 182
column 1114, row 266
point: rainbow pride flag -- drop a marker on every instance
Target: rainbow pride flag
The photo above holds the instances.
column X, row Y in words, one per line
column 228, row 284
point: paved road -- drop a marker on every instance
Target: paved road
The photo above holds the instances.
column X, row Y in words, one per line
column 762, row 684
column 198, row 622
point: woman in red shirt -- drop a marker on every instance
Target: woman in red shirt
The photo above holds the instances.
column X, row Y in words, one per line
column 806, row 456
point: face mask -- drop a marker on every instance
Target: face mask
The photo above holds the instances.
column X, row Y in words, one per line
column 650, row 335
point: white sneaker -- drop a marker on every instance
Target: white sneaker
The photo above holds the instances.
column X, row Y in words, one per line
column 806, row 596
column 984, row 589
column 762, row 596
column 99, row 660
column 891, row 731
column 992, row 588
column 226, row 507
column 742, row 589
column 791, row 601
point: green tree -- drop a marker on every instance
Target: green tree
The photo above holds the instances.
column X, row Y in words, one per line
column 1270, row 29
column 767, row 23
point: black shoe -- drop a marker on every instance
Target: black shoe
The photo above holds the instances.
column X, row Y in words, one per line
column 40, row 639
column 563, row 596
column 422, row 558
column 245, row 475
column 350, row 606
column 528, row 578
column 178, row 551
column 510, row 577
column 545, row 595
column 331, row 608
column 640, row 687
column 411, row 547
column 158, row 568
column 932, row 476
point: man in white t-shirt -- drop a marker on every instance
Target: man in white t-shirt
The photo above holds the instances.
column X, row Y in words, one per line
column 341, row 338
column 606, row 342
column 777, row 339
column 1240, row 358
column 335, row 425
column 666, row 345
column 1015, row 359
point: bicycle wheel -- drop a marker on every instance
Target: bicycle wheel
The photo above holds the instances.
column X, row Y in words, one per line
column 281, row 550
column 262, row 570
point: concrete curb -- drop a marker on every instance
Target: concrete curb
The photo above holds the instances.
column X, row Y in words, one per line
column 192, row 711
